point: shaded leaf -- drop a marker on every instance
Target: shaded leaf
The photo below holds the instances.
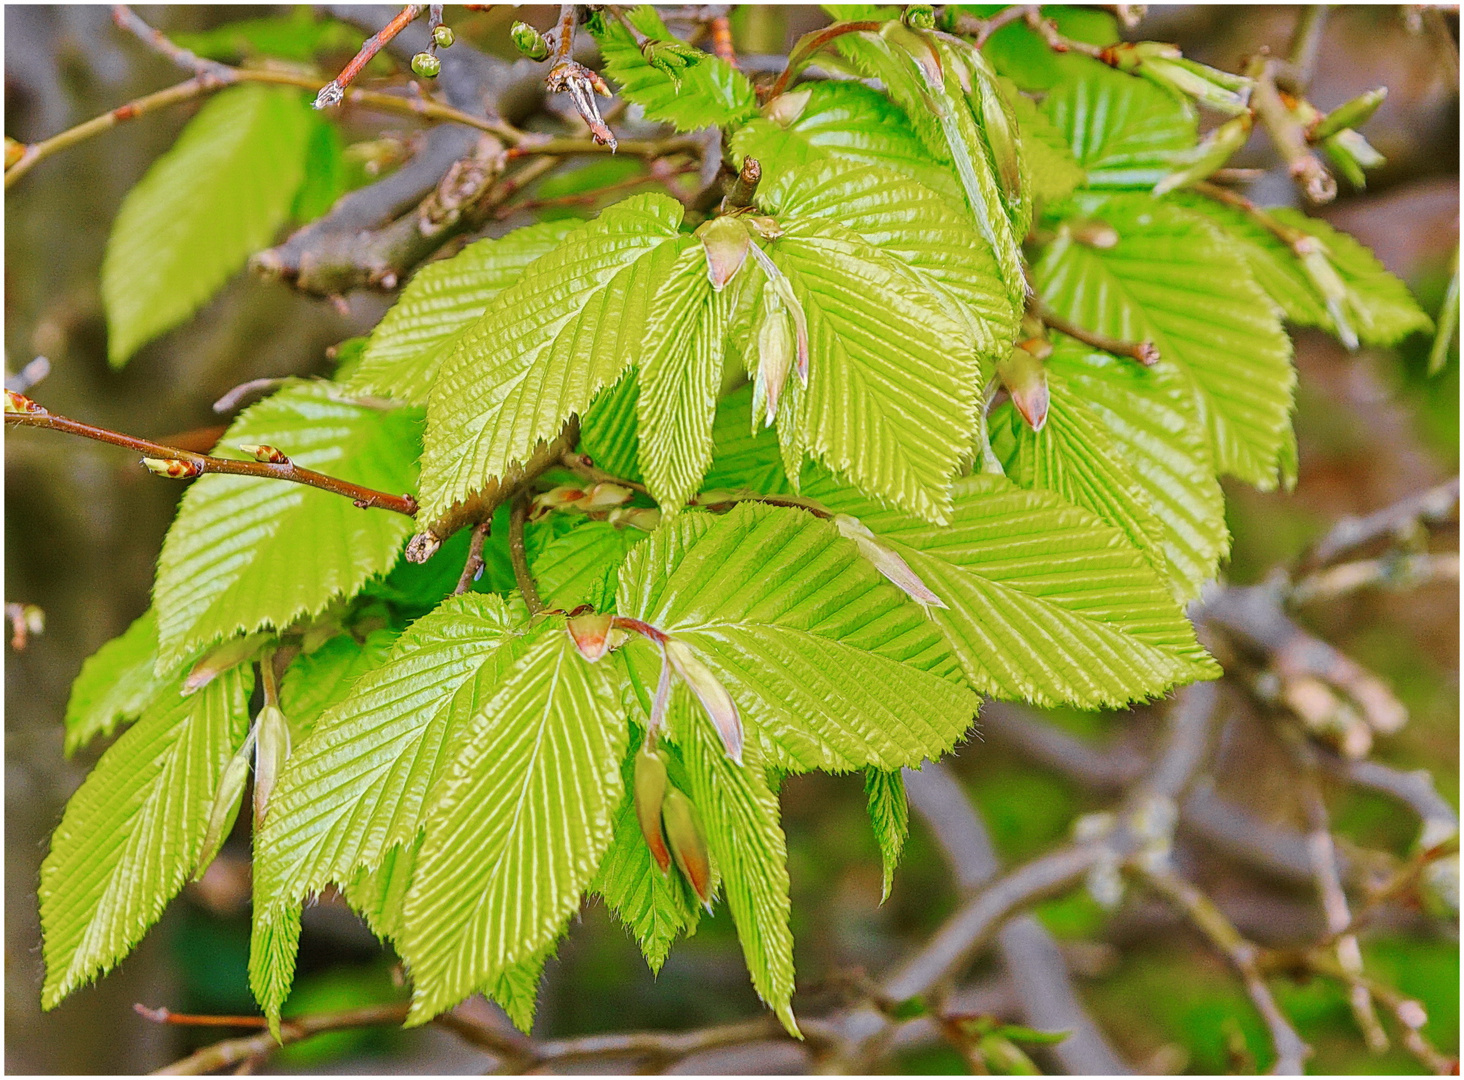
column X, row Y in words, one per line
column 115, row 684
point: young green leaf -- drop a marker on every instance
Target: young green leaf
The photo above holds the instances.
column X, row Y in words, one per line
column 543, row 348
column 441, row 301
column 581, row 565
column 133, row 832
column 523, row 816
column 115, row 684
column 274, row 941
column 608, row 431
column 743, row 455
column 317, row 681
column 249, row 552
column 1124, row 132
column 220, row 194
column 1055, row 171
column 889, row 817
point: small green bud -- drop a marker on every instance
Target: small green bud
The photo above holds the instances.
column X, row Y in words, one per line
column 426, row 65
column 887, row 561
column 1317, row 266
column 19, row 403
column 173, row 468
column 1166, row 66
column 1350, row 114
column 271, row 748
column 775, row 354
column 590, row 634
column 670, row 58
column 443, row 37
column 650, row 797
column 1213, row 152
column 1352, row 154
column 688, row 845
column 920, row 16
column 529, row 41
column 225, row 806
column 785, row 109
column 783, row 288
column 219, row 660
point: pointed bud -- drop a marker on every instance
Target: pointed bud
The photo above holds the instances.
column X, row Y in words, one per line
column 1352, row 154
column 688, row 846
column 1095, row 234
column 1351, row 114
column 443, row 37
column 172, row 467
column 271, row 748
column 714, row 698
column 1324, row 277
column 562, row 497
column 581, row 84
column 886, row 560
column 1025, row 380
column 227, row 655
column 529, row 41
column 591, row 634
column 225, row 806
column 1165, row 65
column 784, row 290
column 785, row 109
column 775, row 356
column 997, row 120
column 426, row 65
column 766, row 227
column 670, row 58
column 644, row 518
column 262, row 452
column 650, row 795
column 19, row 403
column 603, row 496
column 725, row 240
column 1213, row 152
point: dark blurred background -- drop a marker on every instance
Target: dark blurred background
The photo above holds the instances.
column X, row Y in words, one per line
column 83, row 527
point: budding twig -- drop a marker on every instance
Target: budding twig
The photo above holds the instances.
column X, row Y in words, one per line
column 332, row 92
column 474, row 564
column 159, row 42
column 186, row 463
column 1144, row 352
column 1288, row 135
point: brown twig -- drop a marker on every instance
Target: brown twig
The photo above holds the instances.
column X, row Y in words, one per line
column 519, row 556
column 809, row 45
column 332, row 92
column 474, row 564
column 128, row 20
column 195, row 464
column 585, row 468
column 723, row 47
column 221, row 1055
column 1431, row 507
column 168, row 1016
column 1144, row 352
column 982, row 29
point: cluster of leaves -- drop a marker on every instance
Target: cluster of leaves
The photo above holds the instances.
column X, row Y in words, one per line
column 852, row 551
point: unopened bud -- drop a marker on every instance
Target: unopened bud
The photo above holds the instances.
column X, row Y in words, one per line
column 562, row 497
column 688, row 846
column 775, row 358
column 887, row 561
column 426, row 65
column 650, row 796
column 225, row 807
column 670, row 58
column 263, row 452
column 920, row 16
column 1213, row 152
column 1352, row 155
column 1351, row 114
column 766, row 227
column 603, row 496
column 331, row 94
column 229, row 654
column 591, row 634
column 998, row 122
column 529, row 41
column 780, row 284
column 785, row 109
column 443, row 37
column 714, row 698
column 19, row 403
column 1025, row 380
column 1166, row 66
column 644, row 518
column 582, row 84
column 1095, row 234
column 725, row 241
column 172, row 467
column 918, row 48
column 271, row 748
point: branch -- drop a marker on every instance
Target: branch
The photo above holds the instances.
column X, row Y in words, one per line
column 128, row 20
column 332, row 92
column 1431, row 507
column 233, row 1051
column 519, row 556
column 1288, row 135
column 183, row 464
column 474, row 564
column 1144, row 352
column 981, row 29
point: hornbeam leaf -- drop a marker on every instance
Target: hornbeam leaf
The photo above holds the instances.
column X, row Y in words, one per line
column 1173, row 279
column 1055, row 171
column 134, row 831
column 608, row 431
column 830, row 665
column 743, row 455
column 1045, row 602
column 115, row 684
column 543, row 348
column 1124, row 132
column 274, row 939
column 441, row 301
column 316, row 681
column 892, row 394
column 524, row 815
column 251, row 552
column 580, row 566
column 889, row 817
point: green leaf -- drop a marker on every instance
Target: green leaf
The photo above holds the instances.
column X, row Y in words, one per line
column 543, row 348
column 679, row 379
column 581, row 566
column 893, row 379
column 709, row 93
column 739, row 815
column 1055, row 173
column 443, row 300
column 249, row 552
column 1045, row 602
column 1123, row 131
column 831, row 667
column 220, row 194
column 889, row 817
column 849, row 123
column 115, row 684
column 1173, row 279
column 274, row 940
column 744, row 456
column 325, row 171
column 376, row 892
column 522, row 819
column 516, row 991
column 1020, row 53
column 608, row 429
column 314, row 683
column 133, row 832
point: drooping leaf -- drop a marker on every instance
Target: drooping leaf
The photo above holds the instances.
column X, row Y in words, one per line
column 516, row 991
column 1123, row 131
column 709, row 93
column 544, row 347
column 1044, row 602
column 317, row 681
column 830, row 666
column 274, row 941
column 220, row 194
column 889, row 817
column 115, row 684
column 133, row 832
column 1172, row 278
column 523, row 816
column 249, row 552
column 443, row 300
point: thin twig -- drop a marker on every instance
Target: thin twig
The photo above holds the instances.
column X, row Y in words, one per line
column 160, row 43
column 982, row 29
column 1306, row 43
column 168, row 1016
column 194, row 464
column 474, row 564
column 1144, row 352
column 233, row 1051
column 519, row 556
column 1431, row 507
column 810, row 44
column 332, row 92
column 1288, row 135
column 585, row 468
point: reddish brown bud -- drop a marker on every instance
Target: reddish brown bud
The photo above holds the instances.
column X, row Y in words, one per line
column 175, row 468
column 688, row 846
column 1025, row 380
column 264, row 452
column 19, row 403
column 591, row 634
column 650, row 796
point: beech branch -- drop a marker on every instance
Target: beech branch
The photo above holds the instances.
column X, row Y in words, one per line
column 1144, row 352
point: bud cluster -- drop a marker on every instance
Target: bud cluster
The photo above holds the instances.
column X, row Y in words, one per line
column 668, row 821
column 670, row 58
column 1165, row 66
column 603, row 501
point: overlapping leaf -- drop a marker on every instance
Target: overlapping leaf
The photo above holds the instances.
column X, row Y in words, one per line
column 115, row 684
column 316, row 681
column 134, row 831
column 1055, row 171
column 889, row 816
column 1123, row 131
column 1173, row 279
column 581, row 565
column 249, row 552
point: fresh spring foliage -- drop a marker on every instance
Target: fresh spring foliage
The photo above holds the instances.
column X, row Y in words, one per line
column 856, row 485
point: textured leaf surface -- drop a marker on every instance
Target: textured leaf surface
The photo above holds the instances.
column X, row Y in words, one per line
column 1055, row 171
column 542, row 349
column 831, row 667
column 1046, row 603
column 133, row 832
column 582, row 565
column 248, row 552
column 1123, row 131
column 525, row 815
column 443, row 299
column 886, row 405
column 889, row 817
column 115, row 684
column 608, row 431
column 1173, row 279
column 324, row 678
column 204, row 207
column 744, row 456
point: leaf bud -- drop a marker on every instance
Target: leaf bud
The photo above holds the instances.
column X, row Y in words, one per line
column 220, row 659
column 271, row 748
column 688, row 846
column 650, row 796
column 442, row 36
column 581, row 84
column 1352, row 154
column 918, row 48
column 1212, row 152
column 783, row 288
column 591, row 634
column 775, row 356
column 670, row 58
column 426, row 65
column 1095, row 234
column 725, row 241
column 529, row 41
column 714, row 698
column 264, row 452
column 172, row 467
column 886, row 560
column 644, row 518
column 785, row 109
column 562, row 497
column 1165, row 66
column 1025, row 380
column 1324, row 277
column 1350, row 114
column 225, row 807
column 603, row 496
column 920, row 16
column 19, row 403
